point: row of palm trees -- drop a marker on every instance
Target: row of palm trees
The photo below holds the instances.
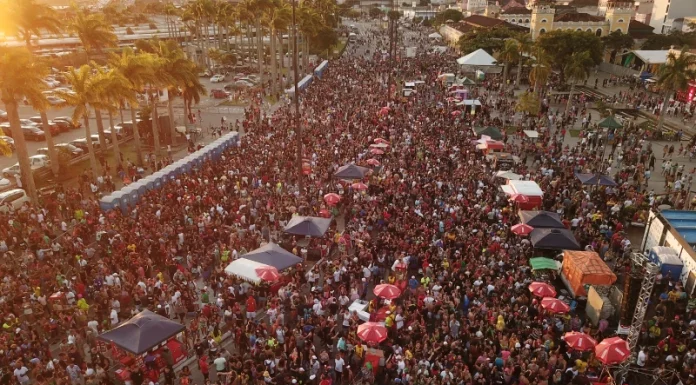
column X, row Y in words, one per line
column 158, row 65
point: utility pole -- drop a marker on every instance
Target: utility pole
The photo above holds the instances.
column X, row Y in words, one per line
column 298, row 128
column 392, row 47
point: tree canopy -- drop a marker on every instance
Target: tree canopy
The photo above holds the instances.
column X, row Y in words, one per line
column 491, row 40
column 560, row 45
column 674, row 38
column 446, row 15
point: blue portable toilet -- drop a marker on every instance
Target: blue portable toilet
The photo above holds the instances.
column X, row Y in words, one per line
column 668, row 261
column 141, row 187
column 109, row 202
column 158, row 178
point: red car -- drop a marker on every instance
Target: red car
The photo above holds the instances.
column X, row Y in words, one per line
column 219, row 94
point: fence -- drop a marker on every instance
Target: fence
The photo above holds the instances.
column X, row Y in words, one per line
column 617, row 70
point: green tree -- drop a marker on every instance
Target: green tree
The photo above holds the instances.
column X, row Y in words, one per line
column 541, row 70
column 94, row 31
column 491, row 40
column 673, row 38
column 617, row 41
column 674, row 76
column 577, row 69
column 447, row 15
column 510, row 53
column 28, row 18
column 524, row 44
column 529, row 104
column 560, row 45
column 21, row 76
column 375, row 13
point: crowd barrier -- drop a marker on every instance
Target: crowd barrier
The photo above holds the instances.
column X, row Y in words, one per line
column 129, row 195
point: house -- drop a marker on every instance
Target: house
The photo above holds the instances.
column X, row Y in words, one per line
column 545, row 19
column 453, row 31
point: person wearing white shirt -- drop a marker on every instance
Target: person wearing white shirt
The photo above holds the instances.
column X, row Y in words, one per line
column 21, row 373
column 642, row 358
column 113, row 317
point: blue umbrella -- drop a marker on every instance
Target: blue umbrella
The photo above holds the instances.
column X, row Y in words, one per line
column 596, row 180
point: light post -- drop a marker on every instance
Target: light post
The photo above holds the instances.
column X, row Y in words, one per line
column 298, row 128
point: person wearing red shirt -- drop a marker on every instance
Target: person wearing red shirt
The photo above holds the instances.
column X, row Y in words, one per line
column 204, row 367
column 251, row 307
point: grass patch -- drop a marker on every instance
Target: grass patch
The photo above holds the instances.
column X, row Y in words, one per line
column 574, row 133
column 234, row 103
column 336, row 50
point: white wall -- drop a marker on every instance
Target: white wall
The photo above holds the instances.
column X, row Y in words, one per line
column 665, row 11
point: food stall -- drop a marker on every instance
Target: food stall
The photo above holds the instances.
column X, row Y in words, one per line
column 141, row 341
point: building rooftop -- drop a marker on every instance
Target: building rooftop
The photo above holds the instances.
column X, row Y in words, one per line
column 576, row 17
column 478, row 21
column 516, row 11
column 639, row 30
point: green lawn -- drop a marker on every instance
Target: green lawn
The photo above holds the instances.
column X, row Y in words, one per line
column 574, row 133
column 234, row 103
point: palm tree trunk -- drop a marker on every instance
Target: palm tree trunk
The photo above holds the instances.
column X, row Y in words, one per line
column 305, row 54
column 25, row 172
column 274, row 68
column 49, row 142
column 155, row 125
column 505, row 74
column 172, row 121
column 114, row 140
column 120, row 111
column 136, row 138
column 663, row 112
column 281, row 54
column 570, row 97
column 94, row 165
column 519, row 72
column 259, row 49
column 100, row 130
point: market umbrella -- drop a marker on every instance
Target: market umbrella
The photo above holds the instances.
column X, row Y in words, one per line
column 324, row 213
column 541, row 219
column 379, row 145
column 387, row 291
column 267, row 273
column 519, row 198
column 381, row 140
column 351, row 171
column 456, row 113
column 493, row 132
column 554, row 239
column 612, row 351
column 542, row 289
column 373, row 162
column 610, row 122
column 332, row 199
column 376, row 151
column 307, row 226
column 359, row 186
column 555, row 305
column 372, row 332
column 595, row 180
column 522, row 229
column 579, row 341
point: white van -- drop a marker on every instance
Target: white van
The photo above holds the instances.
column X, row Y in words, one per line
column 352, row 37
column 14, row 199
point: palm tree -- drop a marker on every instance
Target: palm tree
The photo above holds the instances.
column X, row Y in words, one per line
column 30, row 18
column 673, row 76
column 509, row 54
column 524, row 45
column 117, row 89
column 277, row 17
column 94, row 31
column 541, row 70
column 576, row 70
column 21, row 76
column 138, row 70
column 87, row 87
column 191, row 94
column 247, row 16
column 260, row 6
column 310, row 24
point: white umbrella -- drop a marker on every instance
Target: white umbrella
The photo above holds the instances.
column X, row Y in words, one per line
column 508, row 175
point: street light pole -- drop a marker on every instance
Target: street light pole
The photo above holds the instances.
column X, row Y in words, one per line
column 298, row 128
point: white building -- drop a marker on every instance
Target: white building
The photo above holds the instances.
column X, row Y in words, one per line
column 474, row 7
column 664, row 13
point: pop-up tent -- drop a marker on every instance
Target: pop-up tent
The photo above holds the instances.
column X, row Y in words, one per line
column 554, row 239
column 311, row 226
column 541, row 219
column 145, row 331
column 595, row 180
column 582, row 268
column 541, row 263
column 478, row 58
column 273, row 255
column 610, row 122
column 245, row 269
column 493, row 132
column 351, row 171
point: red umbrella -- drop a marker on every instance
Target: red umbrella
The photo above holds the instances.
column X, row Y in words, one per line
column 387, row 291
column 456, row 113
column 324, row 213
column 579, row 341
column 381, row 140
column 372, row 332
column 555, row 305
column 267, row 273
column 373, row 162
column 376, row 151
column 384, row 111
column 519, row 198
column 612, row 351
column 522, row 229
column 359, row 186
column 332, row 199
column 542, row 289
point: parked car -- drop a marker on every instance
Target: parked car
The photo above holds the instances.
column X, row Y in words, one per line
column 51, row 83
column 30, row 132
column 54, row 100
column 217, row 79
column 29, row 122
column 64, row 125
column 219, row 94
column 120, row 133
column 64, row 150
column 36, row 162
column 127, row 127
column 12, row 200
column 82, row 143
column 9, row 141
column 243, row 84
column 55, row 128
column 73, row 126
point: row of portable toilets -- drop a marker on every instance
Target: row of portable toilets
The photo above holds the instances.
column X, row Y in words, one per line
column 129, row 195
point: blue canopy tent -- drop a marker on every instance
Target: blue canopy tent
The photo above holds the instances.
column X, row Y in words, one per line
column 142, row 333
column 595, row 180
column 273, row 255
column 351, row 171
column 554, row 239
column 319, row 71
column 308, row 226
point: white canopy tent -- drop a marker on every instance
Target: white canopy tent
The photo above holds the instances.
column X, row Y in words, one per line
column 244, row 269
column 652, row 56
column 478, row 58
column 531, row 134
column 524, row 187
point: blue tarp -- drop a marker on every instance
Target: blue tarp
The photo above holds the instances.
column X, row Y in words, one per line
column 302, row 84
column 319, row 71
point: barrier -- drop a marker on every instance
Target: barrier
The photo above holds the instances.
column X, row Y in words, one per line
column 319, row 71
column 128, row 196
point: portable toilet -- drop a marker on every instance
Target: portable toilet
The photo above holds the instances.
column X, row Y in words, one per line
column 668, row 261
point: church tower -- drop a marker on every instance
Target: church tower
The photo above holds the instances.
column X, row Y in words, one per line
column 542, row 20
column 619, row 16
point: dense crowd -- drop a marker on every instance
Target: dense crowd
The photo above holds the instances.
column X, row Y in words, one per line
column 432, row 217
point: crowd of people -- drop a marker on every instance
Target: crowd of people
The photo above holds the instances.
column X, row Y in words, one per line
column 433, row 216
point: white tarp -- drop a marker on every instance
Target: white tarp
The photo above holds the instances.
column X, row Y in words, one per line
column 508, row 175
column 531, row 134
column 244, row 269
column 652, row 56
column 470, row 102
column 526, row 187
column 477, row 58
